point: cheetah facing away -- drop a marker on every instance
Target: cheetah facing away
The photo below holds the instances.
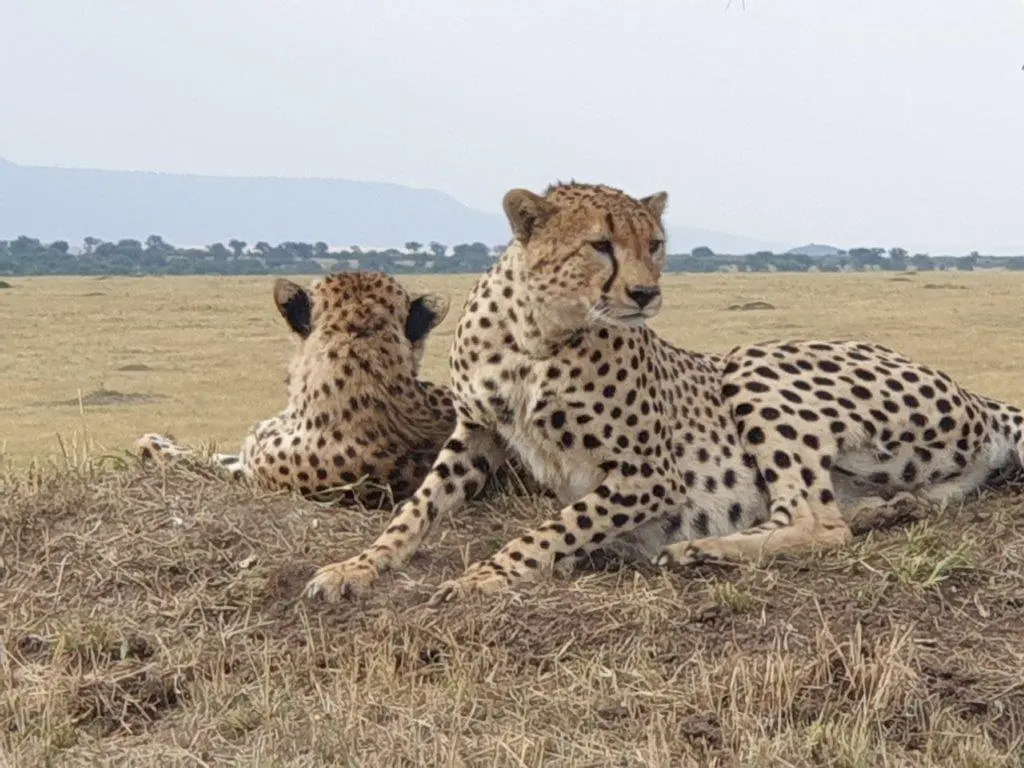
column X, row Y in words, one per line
column 660, row 452
column 356, row 409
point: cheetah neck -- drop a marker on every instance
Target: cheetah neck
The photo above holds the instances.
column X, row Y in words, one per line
column 361, row 387
column 539, row 333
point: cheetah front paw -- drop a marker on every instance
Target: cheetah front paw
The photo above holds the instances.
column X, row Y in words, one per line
column 479, row 578
column 350, row 578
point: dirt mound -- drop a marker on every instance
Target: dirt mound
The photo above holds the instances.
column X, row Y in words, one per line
column 750, row 306
column 152, row 615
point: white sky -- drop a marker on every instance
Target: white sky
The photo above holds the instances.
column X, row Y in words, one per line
column 878, row 122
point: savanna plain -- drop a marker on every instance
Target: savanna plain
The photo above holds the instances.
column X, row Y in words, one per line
column 153, row 617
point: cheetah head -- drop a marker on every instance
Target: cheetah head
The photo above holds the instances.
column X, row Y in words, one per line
column 342, row 308
column 592, row 254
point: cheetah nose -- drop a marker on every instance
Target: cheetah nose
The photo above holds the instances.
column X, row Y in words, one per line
column 643, row 294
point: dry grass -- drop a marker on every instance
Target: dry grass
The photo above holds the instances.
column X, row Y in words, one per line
column 151, row 618
column 207, row 354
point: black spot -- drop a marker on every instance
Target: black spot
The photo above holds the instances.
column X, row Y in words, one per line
column 860, row 392
column 864, row 375
column 786, row 431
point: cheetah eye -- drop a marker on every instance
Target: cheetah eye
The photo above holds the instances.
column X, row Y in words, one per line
column 603, row 247
column 656, row 246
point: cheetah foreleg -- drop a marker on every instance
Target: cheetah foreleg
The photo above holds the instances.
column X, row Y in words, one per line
column 459, row 473
column 614, row 508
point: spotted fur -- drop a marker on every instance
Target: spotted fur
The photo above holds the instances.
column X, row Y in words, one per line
column 360, row 426
column 662, row 453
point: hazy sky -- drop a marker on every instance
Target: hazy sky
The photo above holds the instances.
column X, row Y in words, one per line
column 888, row 122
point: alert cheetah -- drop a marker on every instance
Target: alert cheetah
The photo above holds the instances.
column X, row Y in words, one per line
column 358, row 422
column 673, row 455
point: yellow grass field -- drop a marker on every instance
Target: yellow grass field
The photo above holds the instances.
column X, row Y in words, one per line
column 153, row 617
column 211, row 351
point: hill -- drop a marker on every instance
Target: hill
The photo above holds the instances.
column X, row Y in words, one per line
column 155, row 620
column 74, row 203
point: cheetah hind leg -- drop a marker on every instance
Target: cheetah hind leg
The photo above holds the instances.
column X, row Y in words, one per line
column 804, row 517
column 163, row 450
column 876, row 513
column 232, row 464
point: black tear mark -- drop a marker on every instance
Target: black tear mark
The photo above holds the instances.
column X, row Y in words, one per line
column 615, row 264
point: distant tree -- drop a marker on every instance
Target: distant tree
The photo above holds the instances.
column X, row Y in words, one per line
column 218, row 251
column 237, row 247
column 321, row 249
column 262, row 248
column 59, row 246
column 413, row 246
column 90, row 244
column 156, row 243
column 898, row 253
column 702, row 252
column 438, row 249
column 866, row 258
column 922, row 262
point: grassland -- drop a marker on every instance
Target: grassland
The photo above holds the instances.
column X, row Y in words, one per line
column 151, row 618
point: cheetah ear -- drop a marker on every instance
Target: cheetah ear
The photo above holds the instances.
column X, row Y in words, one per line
column 295, row 306
column 424, row 315
column 525, row 212
column 656, row 203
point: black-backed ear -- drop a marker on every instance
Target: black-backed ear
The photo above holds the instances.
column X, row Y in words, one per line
column 295, row 306
column 525, row 212
column 655, row 203
column 424, row 315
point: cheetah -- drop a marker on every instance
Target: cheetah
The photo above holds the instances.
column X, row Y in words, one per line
column 669, row 455
column 359, row 425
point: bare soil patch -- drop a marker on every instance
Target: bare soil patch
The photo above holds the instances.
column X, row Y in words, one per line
column 108, row 397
